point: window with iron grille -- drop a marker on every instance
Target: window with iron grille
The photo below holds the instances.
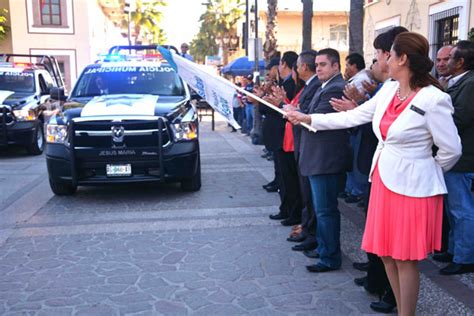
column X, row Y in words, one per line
column 50, row 12
column 444, row 29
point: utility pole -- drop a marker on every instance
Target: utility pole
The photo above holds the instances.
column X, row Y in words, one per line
column 246, row 29
column 129, row 6
column 256, row 46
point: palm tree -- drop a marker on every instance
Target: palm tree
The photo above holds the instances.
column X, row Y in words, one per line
column 269, row 47
column 4, row 27
column 307, row 24
column 145, row 20
column 356, row 32
column 217, row 23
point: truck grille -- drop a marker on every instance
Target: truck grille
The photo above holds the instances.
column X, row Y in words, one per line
column 124, row 134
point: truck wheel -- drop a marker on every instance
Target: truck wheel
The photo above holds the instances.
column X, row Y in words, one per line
column 193, row 184
column 62, row 187
column 37, row 146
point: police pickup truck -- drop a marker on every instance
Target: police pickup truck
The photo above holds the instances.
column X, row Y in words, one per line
column 128, row 119
column 24, row 95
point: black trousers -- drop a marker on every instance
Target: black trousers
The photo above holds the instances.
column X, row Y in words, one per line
column 308, row 215
column 290, row 193
column 377, row 280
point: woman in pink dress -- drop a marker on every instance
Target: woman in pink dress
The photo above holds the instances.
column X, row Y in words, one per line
column 409, row 115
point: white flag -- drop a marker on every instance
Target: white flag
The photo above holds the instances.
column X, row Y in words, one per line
column 217, row 91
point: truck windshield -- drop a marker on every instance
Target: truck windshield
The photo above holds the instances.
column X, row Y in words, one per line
column 17, row 81
column 154, row 80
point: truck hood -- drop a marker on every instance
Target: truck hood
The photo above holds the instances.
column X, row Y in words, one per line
column 122, row 105
column 17, row 100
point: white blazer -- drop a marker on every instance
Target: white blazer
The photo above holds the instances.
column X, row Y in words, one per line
column 405, row 161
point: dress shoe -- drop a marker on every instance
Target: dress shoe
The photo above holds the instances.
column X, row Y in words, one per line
column 352, row 199
column 382, row 307
column 298, row 238
column 319, row 268
column 272, row 188
column 306, row 245
column 269, row 184
column 342, row 195
column 457, row 268
column 311, row 254
column 443, row 257
column 278, row 216
column 289, row 222
column 361, row 266
column 361, row 204
column 360, row 281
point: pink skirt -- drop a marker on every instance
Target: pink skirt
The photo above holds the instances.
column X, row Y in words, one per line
column 400, row 226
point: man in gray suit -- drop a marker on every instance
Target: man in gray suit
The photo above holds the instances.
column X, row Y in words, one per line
column 324, row 158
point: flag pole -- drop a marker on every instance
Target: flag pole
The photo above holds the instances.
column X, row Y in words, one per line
column 273, row 107
column 253, row 96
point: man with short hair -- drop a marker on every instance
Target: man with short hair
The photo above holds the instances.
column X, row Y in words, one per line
column 184, row 52
column 355, row 72
column 460, row 178
column 324, row 158
column 441, row 65
column 306, row 68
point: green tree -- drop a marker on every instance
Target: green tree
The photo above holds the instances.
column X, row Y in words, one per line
column 218, row 22
column 4, row 27
column 145, row 21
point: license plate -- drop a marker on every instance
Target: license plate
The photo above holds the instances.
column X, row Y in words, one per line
column 119, row 170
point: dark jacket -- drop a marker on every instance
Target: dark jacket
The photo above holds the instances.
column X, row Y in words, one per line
column 368, row 143
column 462, row 95
column 273, row 128
column 304, row 101
column 325, row 152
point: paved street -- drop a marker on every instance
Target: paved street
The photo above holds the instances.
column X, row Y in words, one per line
column 148, row 249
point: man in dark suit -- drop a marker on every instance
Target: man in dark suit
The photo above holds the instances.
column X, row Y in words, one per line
column 460, row 178
column 273, row 132
column 324, row 157
column 306, row 68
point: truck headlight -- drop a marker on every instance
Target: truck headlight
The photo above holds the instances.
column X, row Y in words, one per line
column 56, row 133
column 24, row 115
column 185, row 130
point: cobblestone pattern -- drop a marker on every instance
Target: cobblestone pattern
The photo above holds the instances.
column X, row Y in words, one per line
column 150, row 250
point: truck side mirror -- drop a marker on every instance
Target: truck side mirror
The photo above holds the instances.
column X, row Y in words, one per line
column 57, row 94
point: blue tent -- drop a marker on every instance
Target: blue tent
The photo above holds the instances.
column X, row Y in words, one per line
column 241, row 67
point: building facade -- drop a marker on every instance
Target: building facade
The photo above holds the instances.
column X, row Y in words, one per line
column 441, row 22
column 329, row 26
column 74, row 31
column 329, row 29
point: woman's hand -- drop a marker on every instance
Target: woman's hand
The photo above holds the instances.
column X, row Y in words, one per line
column 296, row 117
column 343, row 104
column 279, row 93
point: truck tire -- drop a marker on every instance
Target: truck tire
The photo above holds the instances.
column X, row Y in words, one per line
column 37, row 146
column 62, row 187
column 193, row 184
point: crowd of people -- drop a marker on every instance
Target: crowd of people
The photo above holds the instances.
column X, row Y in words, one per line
column 394, row 138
